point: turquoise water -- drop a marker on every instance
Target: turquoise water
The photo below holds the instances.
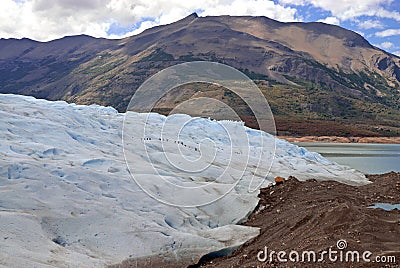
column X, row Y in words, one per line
column 386, row 206
column 365, row 157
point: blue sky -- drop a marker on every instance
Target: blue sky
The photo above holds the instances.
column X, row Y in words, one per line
column 377, row 20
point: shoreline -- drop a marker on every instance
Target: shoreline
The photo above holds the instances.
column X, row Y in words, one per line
column 336, row 139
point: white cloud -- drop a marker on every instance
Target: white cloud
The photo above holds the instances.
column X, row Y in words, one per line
column 360, row 33
column 45, row 20
column 346, row 9
column 397, row 53
column 386, row 45
column 382, row 13
column 143, row 26
column 370, row 24
column 331, row 20
column 388, row 32
column 294, row 2
column 253, row 8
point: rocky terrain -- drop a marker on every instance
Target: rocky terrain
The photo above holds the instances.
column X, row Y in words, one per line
column 314, row 215
column 320, row 79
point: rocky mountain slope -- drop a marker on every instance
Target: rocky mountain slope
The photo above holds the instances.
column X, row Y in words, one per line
column 319, row 79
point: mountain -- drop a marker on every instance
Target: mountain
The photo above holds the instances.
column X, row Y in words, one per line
column 320, row 79
column 68, row 200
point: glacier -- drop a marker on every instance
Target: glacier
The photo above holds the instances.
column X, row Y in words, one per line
column 68, row 199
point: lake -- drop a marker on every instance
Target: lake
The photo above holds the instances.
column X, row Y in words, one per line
column 365, row 157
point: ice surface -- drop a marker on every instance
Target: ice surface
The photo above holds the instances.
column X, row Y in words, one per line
column 67, row 198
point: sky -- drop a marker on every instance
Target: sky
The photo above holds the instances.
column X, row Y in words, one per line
column 43, row 20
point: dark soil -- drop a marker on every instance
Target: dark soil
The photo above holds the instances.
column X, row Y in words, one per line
column 314, row 215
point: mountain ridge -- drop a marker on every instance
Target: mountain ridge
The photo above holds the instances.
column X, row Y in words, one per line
column 325, row 72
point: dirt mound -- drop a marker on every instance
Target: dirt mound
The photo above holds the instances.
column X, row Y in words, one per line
column 314, row 216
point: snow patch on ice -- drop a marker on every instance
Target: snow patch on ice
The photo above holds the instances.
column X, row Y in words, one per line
column 67, row 198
